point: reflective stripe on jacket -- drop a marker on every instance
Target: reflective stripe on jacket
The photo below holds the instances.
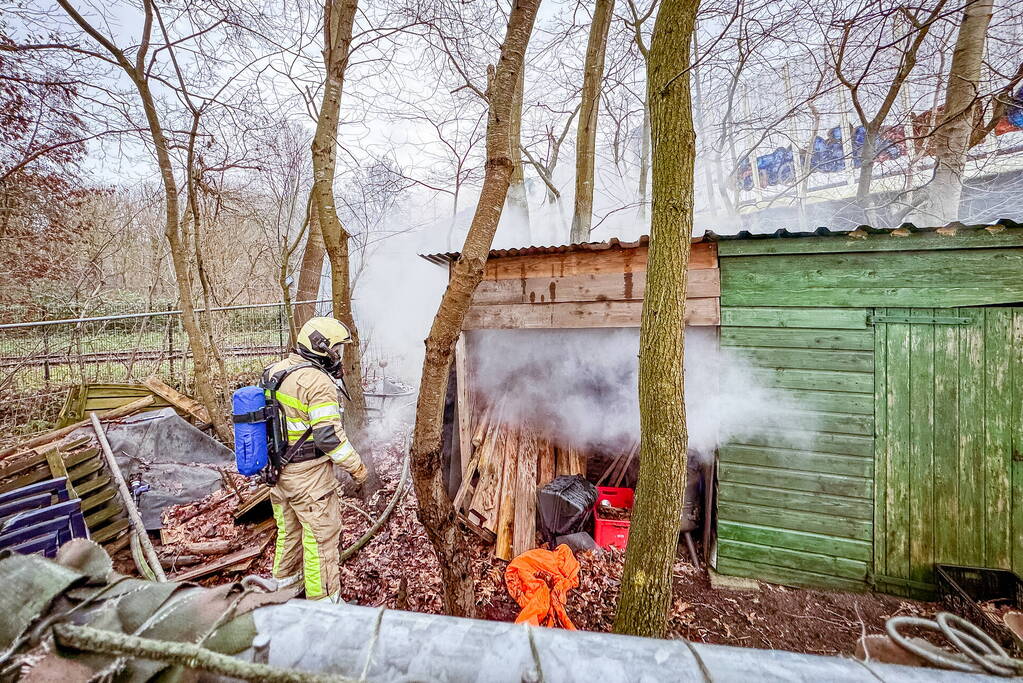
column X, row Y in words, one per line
column 311, row 399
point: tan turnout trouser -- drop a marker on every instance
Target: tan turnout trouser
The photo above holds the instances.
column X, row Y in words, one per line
column 308, row 515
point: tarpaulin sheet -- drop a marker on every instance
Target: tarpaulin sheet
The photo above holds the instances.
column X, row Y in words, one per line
column 162, row 450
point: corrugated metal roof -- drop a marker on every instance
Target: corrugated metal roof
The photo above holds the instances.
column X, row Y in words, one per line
column 711, row 236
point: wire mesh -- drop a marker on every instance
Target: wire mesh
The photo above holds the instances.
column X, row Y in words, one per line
column 40, row 360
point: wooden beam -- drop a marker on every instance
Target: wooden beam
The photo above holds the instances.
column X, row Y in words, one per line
column 524, row 531
column 579, row 315
column 622, row 286
column 178, row 400
column 464, row 404
column 224, row 563
column 48, row 438
column 507, row 499
column 703, row 255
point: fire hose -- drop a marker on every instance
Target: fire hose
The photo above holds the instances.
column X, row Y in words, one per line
column 976, row 651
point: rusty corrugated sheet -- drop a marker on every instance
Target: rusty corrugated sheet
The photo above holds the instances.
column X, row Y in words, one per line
column 710, row 236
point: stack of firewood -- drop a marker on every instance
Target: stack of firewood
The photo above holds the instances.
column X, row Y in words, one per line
column 497, row 498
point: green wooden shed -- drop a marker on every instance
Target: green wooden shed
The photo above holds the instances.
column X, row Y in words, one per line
column 905, row 349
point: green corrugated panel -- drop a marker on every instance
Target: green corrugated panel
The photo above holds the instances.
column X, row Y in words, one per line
column 795, row 501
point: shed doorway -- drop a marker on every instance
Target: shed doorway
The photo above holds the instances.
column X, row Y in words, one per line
column 949, row 423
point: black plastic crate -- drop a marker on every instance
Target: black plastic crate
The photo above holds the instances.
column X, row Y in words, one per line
column 962, row 589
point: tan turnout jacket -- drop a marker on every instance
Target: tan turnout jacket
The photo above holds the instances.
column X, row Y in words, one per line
column 311, row 399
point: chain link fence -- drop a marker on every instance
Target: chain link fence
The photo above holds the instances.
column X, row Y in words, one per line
column 40, row 360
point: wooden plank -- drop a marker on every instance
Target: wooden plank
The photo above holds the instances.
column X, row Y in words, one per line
column 816, row 318
column 794, row 338
column 259, row 496
column 941, row 279
column 809, row 482
column 795, row 540
column 827, row 380
column 834, row 444
column 921, row 450
column 524, row 536
column 786, row 576
column 794, row 520
column 508, row 317
column 838, row 423
column 85, row 468
column 818, row 503
column 946, row 442
column 571, row 263
column 483, row 508
column 972, row 376
column 615, row 260
column 880, row 447
column 797, row 461
column 221, row 564
column 997, row 460
column 621, row 286
column 899, row 412
column 809, row 359
column 594, row 314
column 794, row 559
column 22, row 464
column 463, row 498
column 545, row 464
column 186, row 403
column 464, row 404
column 91, row 485
column 601, row 314
column 517, row 441
column 58, row 469
column 98, row 498
column 108, row 532
column 50, row 437
column 112, row 509
column 832, row 401
column 962, row 239
column 1017, row 437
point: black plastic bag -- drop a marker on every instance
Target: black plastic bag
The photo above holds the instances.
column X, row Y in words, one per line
column 565, row 505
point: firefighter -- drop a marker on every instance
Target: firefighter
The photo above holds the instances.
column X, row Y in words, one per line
column 305, row 499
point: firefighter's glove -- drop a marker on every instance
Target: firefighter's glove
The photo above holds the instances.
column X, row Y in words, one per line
column 360, row 475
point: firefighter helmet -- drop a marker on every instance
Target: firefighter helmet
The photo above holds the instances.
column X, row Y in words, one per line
column 320, row 341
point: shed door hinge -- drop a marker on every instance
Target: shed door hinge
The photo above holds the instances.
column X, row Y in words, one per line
column 919, row 319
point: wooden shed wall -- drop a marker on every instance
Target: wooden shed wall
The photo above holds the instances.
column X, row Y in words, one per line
column 795, row 506
column 866, row 500
column 911, row 278
column 602, row 288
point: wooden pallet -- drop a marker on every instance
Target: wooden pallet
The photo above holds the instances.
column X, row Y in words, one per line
column 82, row 463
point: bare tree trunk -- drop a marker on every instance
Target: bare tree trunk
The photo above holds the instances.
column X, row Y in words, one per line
column 518, row 201
column 952, row 136
column 586, row 138
column 193, row 216
column 310, row 272
column 435, row 509
column 866, row 176
column 179, row 254
column 653, row 538
column 644, row 163
column 338, row 19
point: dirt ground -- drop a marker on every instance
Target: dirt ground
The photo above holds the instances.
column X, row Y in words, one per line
column 398, row 569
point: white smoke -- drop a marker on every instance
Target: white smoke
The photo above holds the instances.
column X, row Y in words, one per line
column 581, row 386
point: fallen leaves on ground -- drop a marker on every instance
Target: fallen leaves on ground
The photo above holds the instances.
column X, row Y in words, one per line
column 398, row 569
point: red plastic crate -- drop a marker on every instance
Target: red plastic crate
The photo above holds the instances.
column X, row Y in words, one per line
column 612, row 532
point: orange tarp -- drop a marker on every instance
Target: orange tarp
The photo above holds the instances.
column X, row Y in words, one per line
column 539, row 580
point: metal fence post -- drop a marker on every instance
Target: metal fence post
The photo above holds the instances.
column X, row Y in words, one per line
column 170, row 340
column 280, row 327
